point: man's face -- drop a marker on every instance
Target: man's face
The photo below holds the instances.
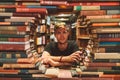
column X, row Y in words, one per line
column 62, row 35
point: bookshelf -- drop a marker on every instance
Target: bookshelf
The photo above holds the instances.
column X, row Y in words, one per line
column 82, row 31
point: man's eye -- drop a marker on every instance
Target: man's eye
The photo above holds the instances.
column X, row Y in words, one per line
column 58, row 32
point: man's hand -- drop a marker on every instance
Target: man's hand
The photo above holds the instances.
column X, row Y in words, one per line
column 74, row 57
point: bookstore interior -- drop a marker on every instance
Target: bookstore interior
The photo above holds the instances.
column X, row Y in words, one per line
column 27, row 26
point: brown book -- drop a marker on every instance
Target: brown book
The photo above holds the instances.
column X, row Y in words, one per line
column 4, row 78
column 97, row 68
column 105, row 24
column 13, row 32
column 11, row 71
column 110, row 76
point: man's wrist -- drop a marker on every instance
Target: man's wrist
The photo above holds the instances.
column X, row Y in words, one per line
column 61, row 58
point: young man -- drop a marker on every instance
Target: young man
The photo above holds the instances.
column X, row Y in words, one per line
column 63, row 52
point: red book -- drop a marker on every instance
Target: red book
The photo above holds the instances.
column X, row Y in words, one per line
column 53, row 2
column 94, row 3
column 92, row 13
column 109, row 39
column 102, row 64
column 32, row 10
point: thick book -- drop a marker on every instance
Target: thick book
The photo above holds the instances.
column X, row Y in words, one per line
column 12, row 47
column 12, row 36
column 105, row 24
column 15, row 28
column 13, row 32
column 109, row 39
column 52, row 72
column 14, row 23
column 110, row 76
column 104, row 16
column 13, row 54
column 16, row 60
column 105, row 20
column 102, row 64
column 112, row 12
column 18, row 14
column 102, row 44
column 94, row 3
column 20, row 66
column 109, row 49
column 109, row 35
column 92, row 13
column 106, row 30
column 30, row 10
column 107, row 56
column 24, row 39
column 53, row 2
column 110, row 7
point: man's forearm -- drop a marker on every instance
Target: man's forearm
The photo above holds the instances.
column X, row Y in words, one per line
column 61, row 58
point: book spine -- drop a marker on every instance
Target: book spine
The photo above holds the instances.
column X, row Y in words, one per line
column 110, row 7
column 53, row 2
column 14, row 46
column 13, row 54
column 105, row 30
column 109, row 39
column 102, row 64
column 33, row 10
column 13, row 23
column 93, row 13
column 15, row 28
column 112, row 12
column 103, row 16
column 13, row 32
column 94, row 3
column 109, row 49
column 104, row 20
column 105, row 24
column 12, row 36
column 18, row 66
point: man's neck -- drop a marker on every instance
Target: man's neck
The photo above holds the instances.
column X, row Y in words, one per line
column 62, row 46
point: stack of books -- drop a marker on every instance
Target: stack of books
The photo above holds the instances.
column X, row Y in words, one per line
column 18, row 24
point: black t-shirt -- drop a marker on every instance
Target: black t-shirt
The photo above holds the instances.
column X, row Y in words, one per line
column 53, row 49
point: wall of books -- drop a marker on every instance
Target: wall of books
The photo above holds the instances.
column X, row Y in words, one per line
column 23, row 32
column 98, row 30
column 19, row 21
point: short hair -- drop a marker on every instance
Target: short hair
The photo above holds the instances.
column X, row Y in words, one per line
column 61, row 25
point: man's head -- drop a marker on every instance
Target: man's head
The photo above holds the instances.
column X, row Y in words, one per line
column 61, row 33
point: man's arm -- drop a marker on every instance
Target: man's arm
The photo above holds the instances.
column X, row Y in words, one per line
column 68, row 59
